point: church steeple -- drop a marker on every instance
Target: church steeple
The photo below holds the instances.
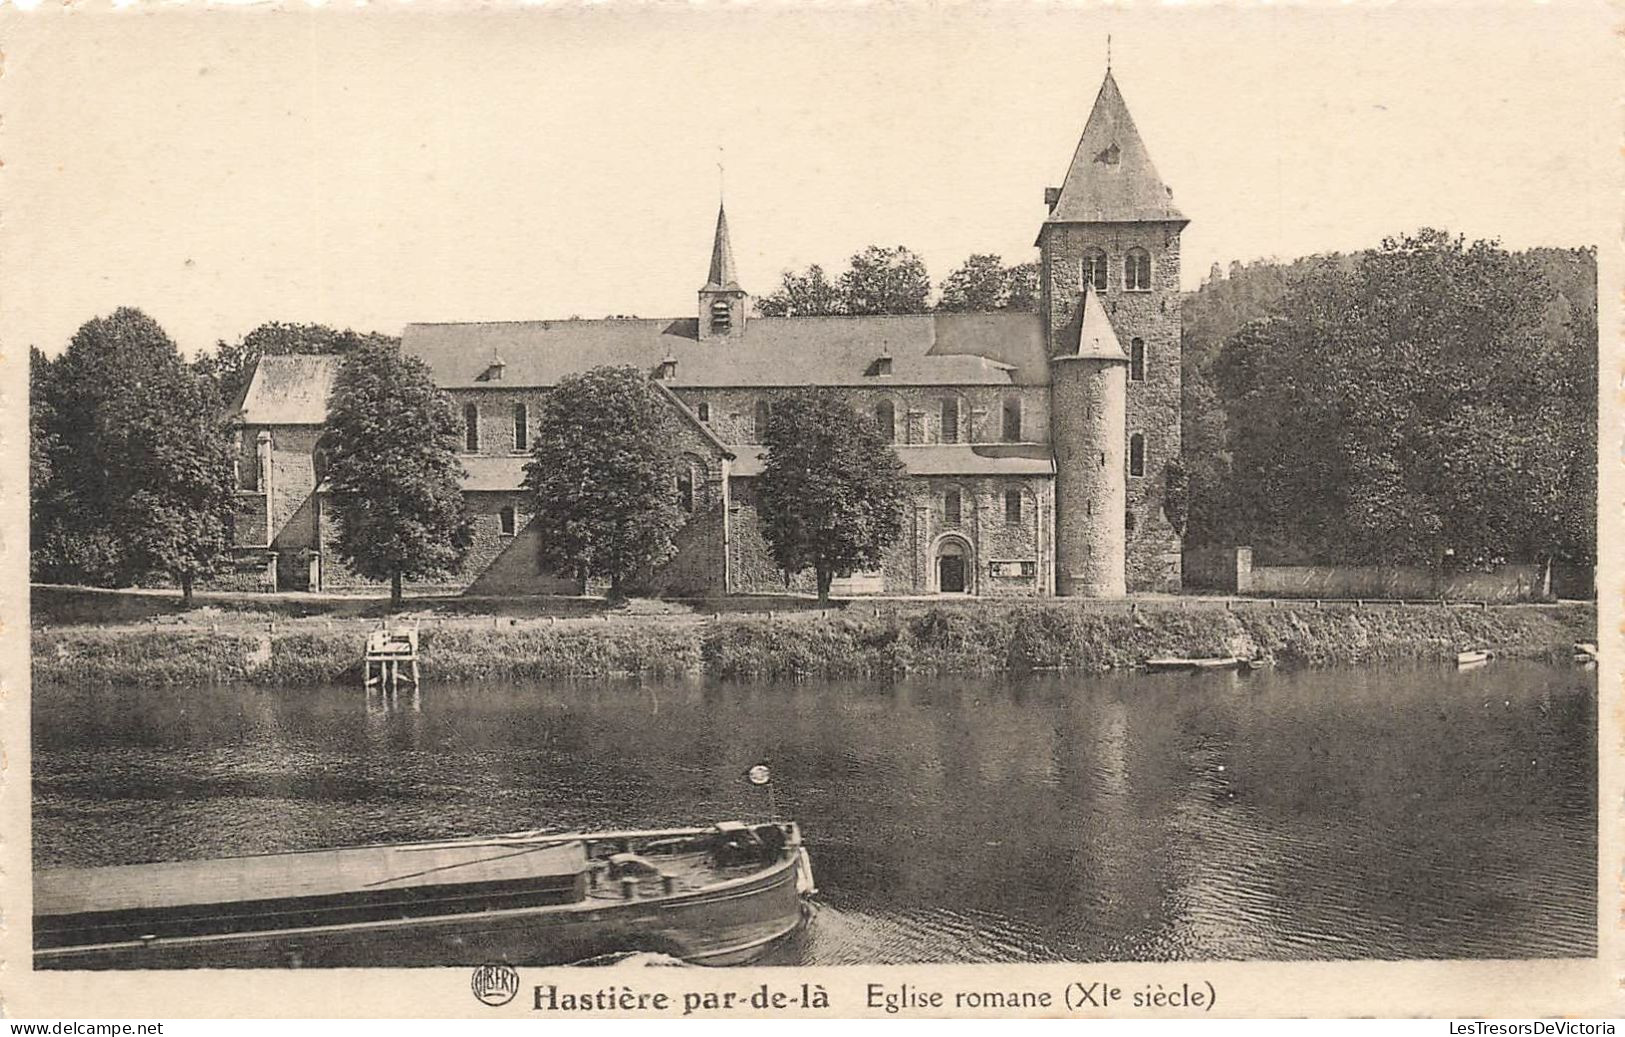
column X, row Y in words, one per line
column 1112, row 178
column 722, row 276
column 723, row 303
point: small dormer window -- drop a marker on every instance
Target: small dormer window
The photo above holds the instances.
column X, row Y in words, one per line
column 668, row 369
column 722, row 317
column 493, row 371
column 883, row 364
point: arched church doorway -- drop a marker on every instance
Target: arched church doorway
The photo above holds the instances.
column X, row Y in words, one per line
column 954, row 566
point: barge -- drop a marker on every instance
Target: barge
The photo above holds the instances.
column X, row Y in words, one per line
column 716, row 895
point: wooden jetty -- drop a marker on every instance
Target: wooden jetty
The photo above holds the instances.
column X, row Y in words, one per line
column 386, row 651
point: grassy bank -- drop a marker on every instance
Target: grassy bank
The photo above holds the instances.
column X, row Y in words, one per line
column 862, row 640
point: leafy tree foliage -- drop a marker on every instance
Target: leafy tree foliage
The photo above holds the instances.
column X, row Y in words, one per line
column 984, row 283
column 809, row 294
column 393, row 473
column 980, row 283
column 1023, row 294
column 832, row 491
column 1431, row 402
column 233, row 362
column 878, row 280
column 886, row 280
column 42, row 441
column 130, row 465
column 603, row 477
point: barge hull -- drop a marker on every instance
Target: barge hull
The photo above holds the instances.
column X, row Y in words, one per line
column 726, row 924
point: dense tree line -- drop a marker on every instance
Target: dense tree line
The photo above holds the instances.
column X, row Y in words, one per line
column 131, row 459
column 1431, row 401
column 894, row 280
column 129, row 463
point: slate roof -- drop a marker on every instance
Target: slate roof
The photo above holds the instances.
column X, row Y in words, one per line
column 1096, row 338
column 289, row 389
column 953, row 459
column 723, row 275
column 1112, row 177
column 926, row 349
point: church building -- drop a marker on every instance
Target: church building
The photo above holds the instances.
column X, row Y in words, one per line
column 1038, row 444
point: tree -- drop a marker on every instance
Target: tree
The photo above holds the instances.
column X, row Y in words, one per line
column 809, row 294
column 886, row 280
column 1432, row 403
column 135, row 477
column 603, row 477
column 832, row 490
column 42, row 440
column 395, row 480
column 1023, row 294
column 981, row 283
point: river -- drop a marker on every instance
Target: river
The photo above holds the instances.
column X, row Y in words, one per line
column 1284, row 814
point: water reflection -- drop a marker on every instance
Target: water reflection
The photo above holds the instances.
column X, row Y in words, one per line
column 1326, row 814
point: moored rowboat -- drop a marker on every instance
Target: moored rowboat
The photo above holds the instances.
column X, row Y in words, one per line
column 1472, row 658
column 1229, row 662
column 715, row 895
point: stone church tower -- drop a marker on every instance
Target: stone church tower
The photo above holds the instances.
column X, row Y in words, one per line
column 723, row 303
column 1109, row 284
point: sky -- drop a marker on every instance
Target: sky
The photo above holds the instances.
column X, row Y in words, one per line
column 370, row 168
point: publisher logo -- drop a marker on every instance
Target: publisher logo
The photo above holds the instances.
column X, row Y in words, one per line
column 495, row 985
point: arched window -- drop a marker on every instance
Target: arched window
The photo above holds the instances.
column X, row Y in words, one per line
column 1094, row 269
column 1137, row 270
column 704, row 411
column 950, row 420
column 685, row 486
column 1012, row 507
column 471, row 428
column 764, row 414
column 1136, row 454
column 1136, row 360
column 509, row 521
column 521, row 428
column 1012, row 419
column 321, row 458
column 952, row 508
column 886, row 419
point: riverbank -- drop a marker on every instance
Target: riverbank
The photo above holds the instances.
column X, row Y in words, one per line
column 862, row 639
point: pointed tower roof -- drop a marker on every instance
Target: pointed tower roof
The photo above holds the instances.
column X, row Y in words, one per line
column 723, row 277
column 1097, row 340
column 1112, row 178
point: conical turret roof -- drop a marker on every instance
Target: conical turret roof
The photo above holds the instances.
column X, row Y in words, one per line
column 723, row 276
column 1112, row 178
column 1097, row 339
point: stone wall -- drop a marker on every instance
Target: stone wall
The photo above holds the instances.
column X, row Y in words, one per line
column 291, row 480
column 1152, row 547
column 917, row 410
column 1002, row 559
column 496, row 417
column 1090, row 477
column 1503, row 584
